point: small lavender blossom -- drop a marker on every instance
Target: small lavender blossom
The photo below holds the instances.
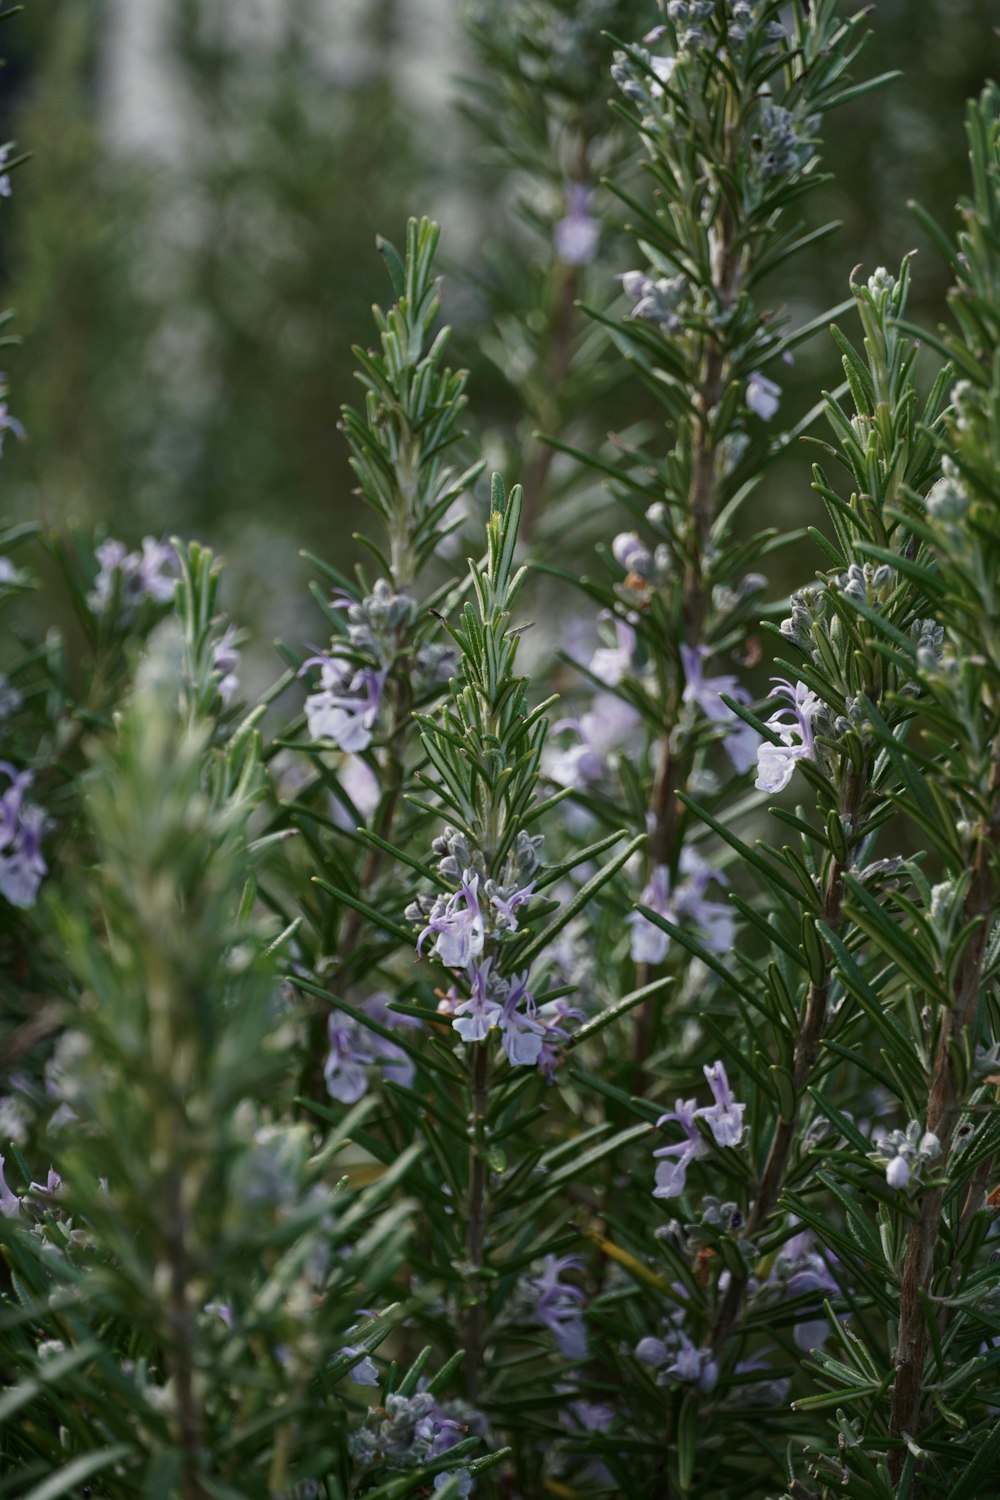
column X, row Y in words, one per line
column 656, row 299
column 903, row 1152
column 741, row 739
column 10, row 1203
column 609, row 664
column 607, row 725
column 671, row 1174
column 457, row 925
column 724, row 1118
column 349, row 1055
column 10, row 698
column 409, row 1431
column 149, row 575
column 475, row 1018
column 551, row 1017
column 762, row 396
column 347, row 705
column 686, row 903
column 677, row 1361
column 776, row 763
column 523, row 1035
column 578, row 234
column 225, row 660
column 22, row 823
column 557, row 1306
column 9, row 423
column 360, row 783
column 631, row 553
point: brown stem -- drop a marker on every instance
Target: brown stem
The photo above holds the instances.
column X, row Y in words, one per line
column 671, row 771
column 944, row 1107
column 475, row 1221
column 803, row 1063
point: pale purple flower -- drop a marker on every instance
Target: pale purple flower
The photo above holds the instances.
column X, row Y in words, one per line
column 631, row 553
column 475, row 1018
column 347, row 705
column 776, row 763
column 361, row 785
column 365, row 1372
column 349, row 1055
column 7, row 422
column 741, row 739
column 22, row 865
column 150, row 575
column 225, row 660
column 762, row 396
column 353, row 1049
column 671, row 1174
column 551, row 1015
column 506, row 907
column 577, row 235
column 522, row 1034
column 605, row 726
column 457, row 925
column 675, row 1358
column 557, row 1306
column 609, row 664
column 725, row 1116
column 687, row 903
column 10, row 1203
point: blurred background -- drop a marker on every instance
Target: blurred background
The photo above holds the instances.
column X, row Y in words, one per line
column 190, row 252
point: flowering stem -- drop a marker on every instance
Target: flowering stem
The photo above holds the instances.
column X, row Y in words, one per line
column 943, row 1110
column 804, row 1060
column 475, row 1219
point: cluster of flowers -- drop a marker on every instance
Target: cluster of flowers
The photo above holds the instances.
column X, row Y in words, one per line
column 43, row 1193
column 354, row 672
column 724, row 1118
column 462, row 922
column 903, row 1152
column 22, row 824
column 133, row 577
column 409, row 1432
column 676, row 1360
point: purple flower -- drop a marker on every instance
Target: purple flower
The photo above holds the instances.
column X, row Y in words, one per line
column 474, row 1018
column 675, row 1358
column 225, row 660
column 724, row 1118
column 557, row 1306
column 506, row 906
column 671, row 1175
column 10, row 1203
column 609, row 664
column 523, row 1035
column 350, row 1053
column 457, row 925
column 686, row 903
column 7, row 422
column 776, row 763
column 22, row 823
column 551, row 1015
column 149, row 575
column 361, row 785
column 762, row 396
column 631, row 553
column 741, row 739
column 347, row 705
column 605, row 726
column 577, row 235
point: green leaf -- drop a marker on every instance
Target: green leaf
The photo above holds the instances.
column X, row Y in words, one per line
column 75, row 1473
